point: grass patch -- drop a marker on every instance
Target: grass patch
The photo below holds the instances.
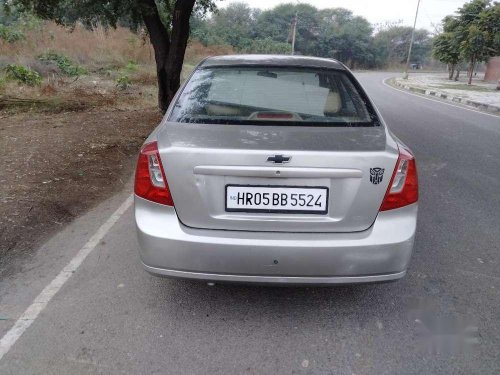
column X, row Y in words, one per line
column 123, row 81
column 23, row 75
column 114, row 67
column 463, row 86
column 10, row 35
column 64, row 63
column 132, row 67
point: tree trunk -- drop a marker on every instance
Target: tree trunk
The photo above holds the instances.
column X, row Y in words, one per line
column 169, row 49
column 451, row 70
column 178, row 43
column 158, row 34
column 458, row 74
column 471, row 69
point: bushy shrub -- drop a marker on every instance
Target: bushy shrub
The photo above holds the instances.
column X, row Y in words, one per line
column 9, row 34
column 132, row 66
column 23, row 75
column 64, row 63
column 207, row 37
column 45, row 69
column 123, row 81
column 268, row 45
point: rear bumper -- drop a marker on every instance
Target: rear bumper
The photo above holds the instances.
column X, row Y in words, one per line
column 381, row 253
column 277, row 280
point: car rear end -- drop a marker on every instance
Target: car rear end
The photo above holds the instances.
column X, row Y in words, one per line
column 275, row 170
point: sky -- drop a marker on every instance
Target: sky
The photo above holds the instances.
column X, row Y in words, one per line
column 377, row 11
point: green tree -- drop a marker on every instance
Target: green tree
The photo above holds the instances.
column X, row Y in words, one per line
column 167, row 22
column 202, row 30
column 474, row 48
column 489, row 21
column 335, row 33
column 275, row 23
column 445, row 49
column 268, row 45
column 234, row 24
column 476, row 32
column 391, row 45
column 446, row 46
column 345, row 37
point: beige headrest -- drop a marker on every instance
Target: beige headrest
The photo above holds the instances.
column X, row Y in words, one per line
column 333, row 103
column 221, row 110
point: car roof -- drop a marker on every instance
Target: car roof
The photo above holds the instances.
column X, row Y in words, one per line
column 272, row 60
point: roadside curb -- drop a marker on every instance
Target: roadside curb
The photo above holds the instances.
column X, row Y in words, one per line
column 457, row 99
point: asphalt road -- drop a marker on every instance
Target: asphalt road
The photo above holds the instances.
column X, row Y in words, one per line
column 111, row 317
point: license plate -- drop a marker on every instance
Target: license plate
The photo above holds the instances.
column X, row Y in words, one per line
column 279, row 199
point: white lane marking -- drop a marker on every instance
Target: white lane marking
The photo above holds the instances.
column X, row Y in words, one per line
column 436, row 101
column 41, row 301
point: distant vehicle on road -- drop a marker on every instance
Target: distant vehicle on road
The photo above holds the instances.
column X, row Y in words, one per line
column 278, row 170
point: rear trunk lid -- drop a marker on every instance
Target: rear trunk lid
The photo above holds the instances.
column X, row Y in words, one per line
column 200, row 160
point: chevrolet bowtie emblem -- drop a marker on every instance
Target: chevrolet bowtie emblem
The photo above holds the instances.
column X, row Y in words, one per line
column 278, row 159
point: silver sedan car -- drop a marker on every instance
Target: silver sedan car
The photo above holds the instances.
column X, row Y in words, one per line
column 275, row 170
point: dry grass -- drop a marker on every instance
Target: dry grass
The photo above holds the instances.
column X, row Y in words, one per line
column 106, row 54
column 95, row 49
column 145, row 76
column 99, row 48
column 103, row 53
column 197, row 52
column 79, row 100
column 61, row 95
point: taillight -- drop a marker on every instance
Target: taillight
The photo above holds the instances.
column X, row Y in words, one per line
column 150, row 181
column 403, row 187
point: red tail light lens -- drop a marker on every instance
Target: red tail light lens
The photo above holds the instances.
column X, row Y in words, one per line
column 403, row 188
column 150, row 181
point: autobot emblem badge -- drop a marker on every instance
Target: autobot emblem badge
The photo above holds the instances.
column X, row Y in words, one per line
column 376, row 175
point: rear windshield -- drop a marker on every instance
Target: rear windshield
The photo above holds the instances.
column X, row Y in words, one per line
column 272, row 96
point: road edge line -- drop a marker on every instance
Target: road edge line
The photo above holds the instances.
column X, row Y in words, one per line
column 42, row 300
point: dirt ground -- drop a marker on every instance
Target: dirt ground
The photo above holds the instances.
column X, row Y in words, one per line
column 55, row 166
